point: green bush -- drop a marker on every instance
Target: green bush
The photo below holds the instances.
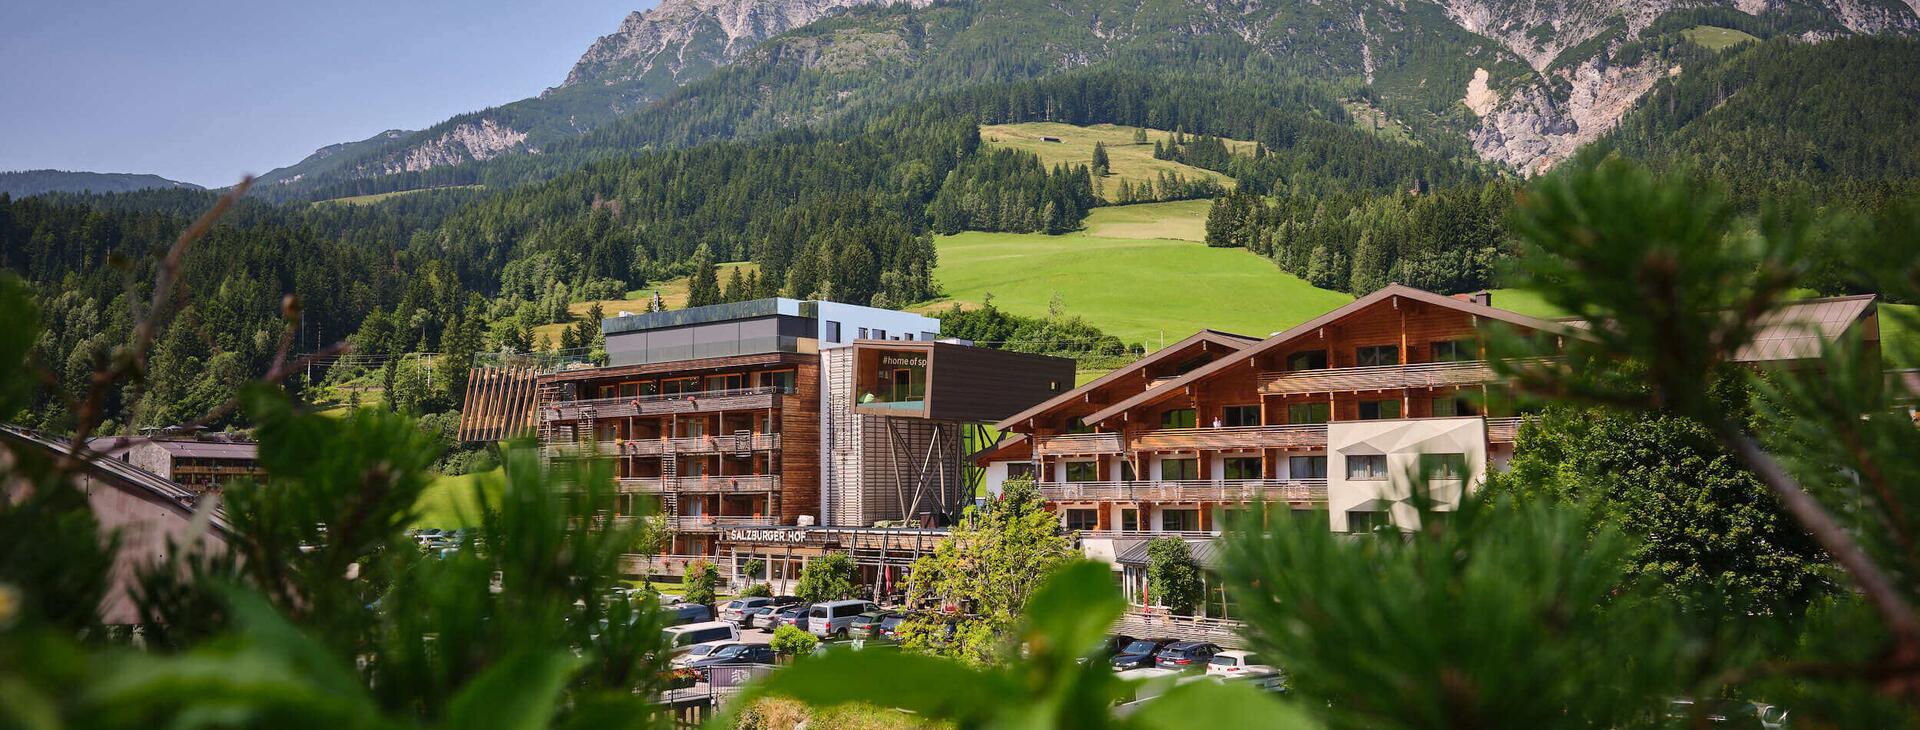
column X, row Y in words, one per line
column 701, row 583
column 757, row 590
column 790, row 640
column 830, row 577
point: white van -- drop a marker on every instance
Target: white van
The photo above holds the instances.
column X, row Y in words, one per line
column 832, row 618
column 678, row 638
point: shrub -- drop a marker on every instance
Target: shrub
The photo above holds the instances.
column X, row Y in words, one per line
column 790, row 640
column 702, row 581
column 757, row 590
column 830, row 578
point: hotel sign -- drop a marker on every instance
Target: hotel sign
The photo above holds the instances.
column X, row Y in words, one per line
column 766, row 535
column 903, row 361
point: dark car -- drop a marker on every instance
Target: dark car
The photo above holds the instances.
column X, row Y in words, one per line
column 785, row 601
column 863, row 625
column 681, row 614
column 1185, row 655
column 884, row 628
column 1112, row 646
column 735, row 654
column 890, row 626
column 1138, row 654
column 794, row 615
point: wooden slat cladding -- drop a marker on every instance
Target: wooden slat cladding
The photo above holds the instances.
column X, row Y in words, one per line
column 800, row 446
column 499, row 403
column 1079, row 444
column 1304, row 436
column 1346, row 380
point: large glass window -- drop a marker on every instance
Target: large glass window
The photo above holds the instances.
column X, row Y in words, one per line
column 1083, row 471
column 730, row 381
column 678, row 386
column 1082, row 519
column 782, row 380
column 1454, row 351
column 1307, row 467
column 1242, row 467
column 1178, row 418
column 1309, row 360
column 1365, row 522
column 1020, row 470
column 1179, row 520
column 1130, row 519
column 1376, row 355
column 1177, row 469
column 1126, row 470
column 1373, row 410
column 1444, row 466
column 1240, row 415
column 1366, row 467
column 1308, row 412
column 833, row 331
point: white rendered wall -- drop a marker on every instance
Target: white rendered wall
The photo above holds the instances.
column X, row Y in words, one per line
column 1402, row 441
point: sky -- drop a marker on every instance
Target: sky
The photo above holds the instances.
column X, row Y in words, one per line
column 207, row 90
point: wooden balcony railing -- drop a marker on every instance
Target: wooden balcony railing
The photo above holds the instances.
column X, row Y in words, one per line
column 1342, row 380
column 659, row 405
column 1227, row 490
column 738, row 483
column 1503, row 430
column 716, row 522
column 720, row 444
column 662, row 565
column 1078, row 444
column 1292, row 436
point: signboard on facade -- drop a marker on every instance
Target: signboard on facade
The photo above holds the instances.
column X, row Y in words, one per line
column 768, row 535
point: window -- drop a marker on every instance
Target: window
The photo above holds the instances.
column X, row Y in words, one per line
column 929, row 336
column 1179, row 520
column 1238, row 518
column 1376, row 355
column 1126, row 471
column 879, row 334
column 733, row 381
column 649, row 387
column 1240, row 415
column 1364, row 522
column 1242, row 467
column 1178, row 418
column 1451, row 406
column 833, row 331
column 1308, row 412
column 1129, row 520
column 1367, row 467
column 1444, row 466
column 678, row 386
column 1083, row 471
column 1373, row 410
column 1020, row 470
column 908, row 336
column 864, row 333
column 1454, row 351
column 1082, row 519
column 1307, row 467
column 1309, row 360
column 1177, row 469
column 782, row 380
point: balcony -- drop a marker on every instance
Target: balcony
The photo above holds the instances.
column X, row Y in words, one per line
column 1228, row 490
column 1383, row 377
column 707, row 523
column 1503, row 430
column 738, row 443
column 732, row 484
column 1292, row 436
column 742, row 399
column 1078, row 444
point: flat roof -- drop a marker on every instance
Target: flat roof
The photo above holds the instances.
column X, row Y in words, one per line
column 727, row 312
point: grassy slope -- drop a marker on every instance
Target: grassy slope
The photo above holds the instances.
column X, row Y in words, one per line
column 1714, row 37
column 672, row 291
column 377, row 197
column 450, row 501
column 1128, row 282
column 1898, row 342
column 1128, row 161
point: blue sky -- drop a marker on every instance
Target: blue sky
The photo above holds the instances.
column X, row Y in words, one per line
column 204, row 90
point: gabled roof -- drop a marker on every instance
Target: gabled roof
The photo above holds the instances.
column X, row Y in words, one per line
column 1391, row 290
column 1226, row 339
column 1797, row 330
column 124, row 476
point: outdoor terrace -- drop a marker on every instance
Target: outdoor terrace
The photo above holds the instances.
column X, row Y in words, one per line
column 741, row 399
column 1225, row 490
column 740, row 483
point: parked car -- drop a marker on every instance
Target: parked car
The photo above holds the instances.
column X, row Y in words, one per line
column 866, row 626
column 700, row 651
column 1235, row 662
column 1733, row 713
column 757, row 616
column 678, row 638
column 1112, row 646
column 732, row 654
column 834, row 617
column 735, row 610
column 1185, row 655
column 794, row 615
column 785, row 601
column 1138, row 654
column 680, row 614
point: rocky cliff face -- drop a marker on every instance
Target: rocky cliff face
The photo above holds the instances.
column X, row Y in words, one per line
column 465, row 142
column 681, row 40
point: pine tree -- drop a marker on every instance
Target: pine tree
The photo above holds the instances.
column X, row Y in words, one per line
column 703, row 286
column 1139, row 135
column 736, row 290
column 1101, row 164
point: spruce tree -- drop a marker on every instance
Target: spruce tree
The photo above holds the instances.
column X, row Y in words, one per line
column 703, row 286
column 1101, row 165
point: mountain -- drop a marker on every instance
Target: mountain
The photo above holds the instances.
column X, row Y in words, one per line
column 652, row 53
column 37, row 182
column 1519, row 84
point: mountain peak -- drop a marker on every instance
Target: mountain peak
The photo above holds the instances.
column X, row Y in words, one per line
column 681, row 40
